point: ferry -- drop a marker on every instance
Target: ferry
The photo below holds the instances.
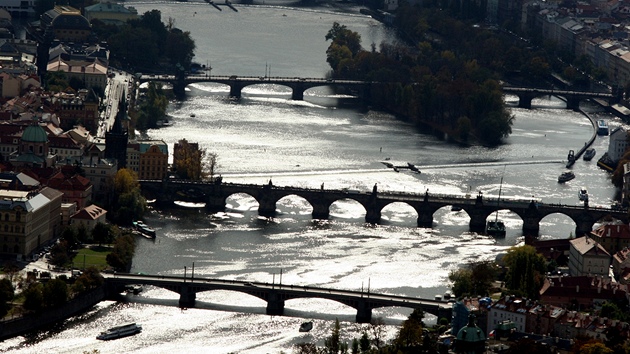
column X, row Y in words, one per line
column 602, row 127
column 120, row 331
column 144, row 229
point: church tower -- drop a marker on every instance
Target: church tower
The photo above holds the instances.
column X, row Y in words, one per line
column 116, row 139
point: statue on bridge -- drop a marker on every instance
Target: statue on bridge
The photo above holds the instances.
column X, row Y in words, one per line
column 374, row 190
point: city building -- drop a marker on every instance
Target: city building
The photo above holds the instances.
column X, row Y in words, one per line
column 76, row 109
column 20, row 8
column 621, row 266
column 617, row 144
column 75, row 188
column 28, row 220
column 509, row 308
column 148, row 159
column 613, row 237
column 89, row 217
column 588, row 257
column 64, row 23
column 92, row 72
column 581, row 292
column 110, row 13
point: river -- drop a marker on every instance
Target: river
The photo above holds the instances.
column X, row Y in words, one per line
column 322, row 139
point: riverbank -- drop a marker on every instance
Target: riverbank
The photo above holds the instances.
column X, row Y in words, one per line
column 30, row 323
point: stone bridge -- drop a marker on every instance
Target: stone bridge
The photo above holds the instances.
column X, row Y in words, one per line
column 238, row 83
column 479, row 208
column 573, row 98
column 274, row 294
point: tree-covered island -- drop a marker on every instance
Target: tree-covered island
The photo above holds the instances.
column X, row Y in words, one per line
column 448, row 89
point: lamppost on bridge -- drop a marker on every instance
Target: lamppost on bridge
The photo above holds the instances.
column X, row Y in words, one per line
column 184, row 274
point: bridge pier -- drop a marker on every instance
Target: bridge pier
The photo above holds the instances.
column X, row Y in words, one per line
column 425, row 219
column 373, row 216
column 187, row 297
column 364, row 312
column 275, row 305
column 531, row 226
column 235, row 89
column 215, row 203
column 297, row 94
column 266, row 208
column 573, row 103
column 321, row 211
column 477, row 221
column 525, row 101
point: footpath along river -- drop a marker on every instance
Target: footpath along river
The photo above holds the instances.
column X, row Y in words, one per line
column 322, row 139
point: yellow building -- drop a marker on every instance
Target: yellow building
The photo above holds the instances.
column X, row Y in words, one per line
column 149, row 159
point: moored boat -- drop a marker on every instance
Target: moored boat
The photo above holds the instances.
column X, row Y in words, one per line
column 306, row 326
column 144, row 229
column 495, row 228
column 589, row 154
column 120, row 331
column 602, row 127
column 566, row 176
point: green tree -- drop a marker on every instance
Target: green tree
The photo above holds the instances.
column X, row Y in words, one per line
column 410, row 337
column 33, row 298
column 462, row 282
column 59, row 256
column 122, row 254
column 611, row 310
column 55, row 292
column 101, row 233
column 332, row 343
column 595, row 348
column 127, row 197
column 526, row 269
column 342, row 36
column 56, row 81
column 364, row 343
column 7, row 292
column 180, row 48
column 189, row 161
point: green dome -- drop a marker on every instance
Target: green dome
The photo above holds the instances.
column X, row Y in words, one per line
column 34, row 134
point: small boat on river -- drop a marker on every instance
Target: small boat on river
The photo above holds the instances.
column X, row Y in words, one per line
column 583, row 194
column 306, row 326
column 120, row 331
column 144, row 229
column 589, row 154
column 495, row 228
column 566, row 176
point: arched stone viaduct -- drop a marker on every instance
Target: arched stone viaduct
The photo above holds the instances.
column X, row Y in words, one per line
column 479, row 208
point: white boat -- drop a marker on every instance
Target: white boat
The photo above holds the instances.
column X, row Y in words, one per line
column 120, row 331
column 306, row 326
column 583, row 194
column 144, row 229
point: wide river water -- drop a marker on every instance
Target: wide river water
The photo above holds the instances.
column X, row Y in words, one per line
column 322, row 139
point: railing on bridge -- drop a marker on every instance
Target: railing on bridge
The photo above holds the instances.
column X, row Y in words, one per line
column 276, row 294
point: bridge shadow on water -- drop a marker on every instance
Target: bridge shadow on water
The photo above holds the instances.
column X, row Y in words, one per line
column 350, row 316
